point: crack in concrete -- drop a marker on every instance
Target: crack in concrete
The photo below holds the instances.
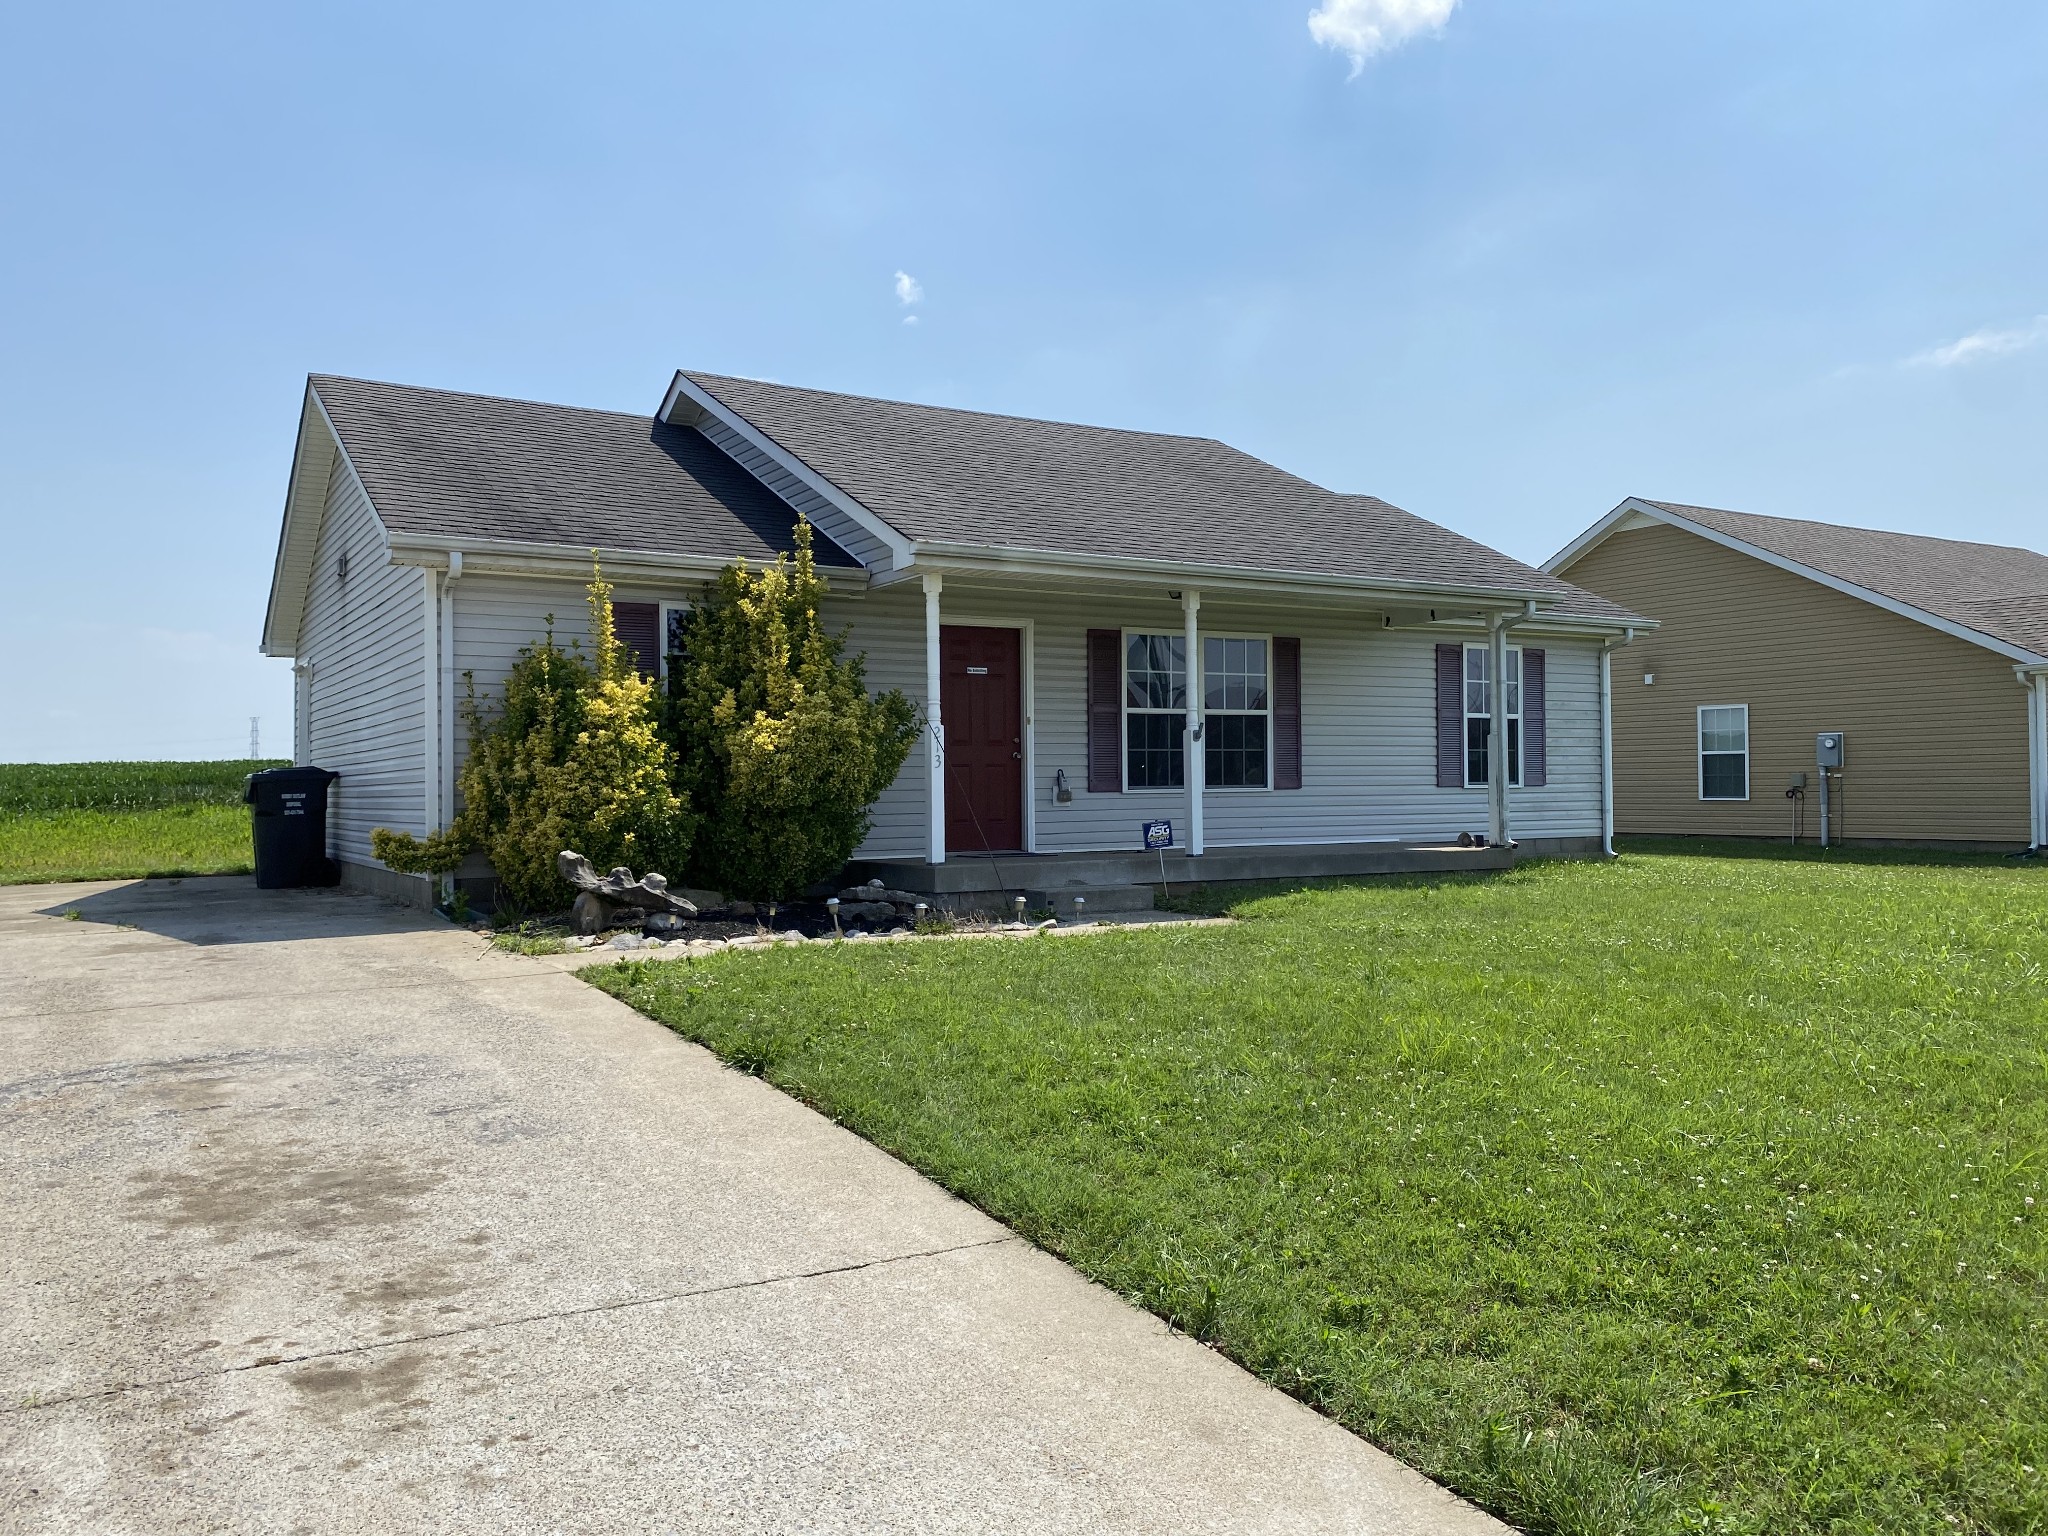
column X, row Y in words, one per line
column 269, row 1363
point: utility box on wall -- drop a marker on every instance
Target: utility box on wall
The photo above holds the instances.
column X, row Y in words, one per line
column 1827, row 749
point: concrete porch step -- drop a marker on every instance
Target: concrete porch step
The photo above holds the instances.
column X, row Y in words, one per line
column 980, row 875
column 1102, row 899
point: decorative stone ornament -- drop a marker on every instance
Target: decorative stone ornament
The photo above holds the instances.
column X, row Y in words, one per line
column 616, row 900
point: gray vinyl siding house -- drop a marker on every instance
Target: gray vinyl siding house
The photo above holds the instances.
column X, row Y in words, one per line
column 1001, row 572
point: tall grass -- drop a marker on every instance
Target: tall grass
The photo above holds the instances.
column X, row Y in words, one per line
column 116, row 821
column 26, row 788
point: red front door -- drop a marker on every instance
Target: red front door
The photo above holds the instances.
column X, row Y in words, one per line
column 981, row 700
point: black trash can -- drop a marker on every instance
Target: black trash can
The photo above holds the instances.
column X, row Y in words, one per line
column 290, row 819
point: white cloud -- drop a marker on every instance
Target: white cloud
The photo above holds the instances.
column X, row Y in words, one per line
column 1978, row 345
column 908, row 289
column 910, row 319
column 1362, row 28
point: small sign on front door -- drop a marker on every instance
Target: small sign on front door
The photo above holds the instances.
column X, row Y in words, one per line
column 1158, row 834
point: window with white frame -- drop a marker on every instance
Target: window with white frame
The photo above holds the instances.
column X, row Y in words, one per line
column 1724, row 752
column 674, row 616
column 1236, row 712
column 1155, row 711
column 1479, row 713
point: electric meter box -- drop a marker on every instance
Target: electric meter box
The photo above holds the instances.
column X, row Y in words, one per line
column 1827, row 749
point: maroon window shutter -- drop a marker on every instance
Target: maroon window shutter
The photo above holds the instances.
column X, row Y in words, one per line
column 638, row 626
column 1286, row 713
column 1535, row 761
column 1105, row 711
column 1450, row 717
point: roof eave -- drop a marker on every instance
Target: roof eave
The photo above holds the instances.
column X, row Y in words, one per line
column 285, row 611
column 522, row 557
column 941, row 556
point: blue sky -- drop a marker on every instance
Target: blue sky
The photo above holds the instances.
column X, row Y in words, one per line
column 1503, row 264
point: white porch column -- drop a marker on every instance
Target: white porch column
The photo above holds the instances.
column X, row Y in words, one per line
column 936, row 742
column 430, row 705
column 1195, row 755
column 1497, row 731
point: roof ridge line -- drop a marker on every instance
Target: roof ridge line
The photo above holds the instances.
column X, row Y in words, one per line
column 1682, row 507
column 962, row 410
column 470, row 394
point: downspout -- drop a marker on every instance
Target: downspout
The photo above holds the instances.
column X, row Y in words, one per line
column 1196, row 758
column 1607, row 649
column 2040, row 755
column 448, row 705
column 2037, row 759
column 430, row 733
column 1497, row 730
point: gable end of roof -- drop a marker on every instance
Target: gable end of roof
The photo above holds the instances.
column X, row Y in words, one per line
column 2013, row 625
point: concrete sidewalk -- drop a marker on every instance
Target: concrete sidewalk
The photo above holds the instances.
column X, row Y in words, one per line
column 322, row 1217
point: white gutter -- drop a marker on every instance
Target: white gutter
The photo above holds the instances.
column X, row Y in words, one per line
column 517, row 557
column 966, row 559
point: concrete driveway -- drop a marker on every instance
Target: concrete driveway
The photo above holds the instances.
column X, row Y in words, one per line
column 322, row 1217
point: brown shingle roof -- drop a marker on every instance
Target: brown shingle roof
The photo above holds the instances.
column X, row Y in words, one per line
column 1995, row 589
column 952, row 476
column 1420, row 545
column 441, row 463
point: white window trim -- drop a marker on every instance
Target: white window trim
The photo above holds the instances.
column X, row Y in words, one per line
column 665, row 608
column 1466, row 717
column 1209, row 786
column 1699, row 755
column 1125, row 712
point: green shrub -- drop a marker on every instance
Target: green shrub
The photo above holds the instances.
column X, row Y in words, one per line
column 780, row 744
column 572, row 758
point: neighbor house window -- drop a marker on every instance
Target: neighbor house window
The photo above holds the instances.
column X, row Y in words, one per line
column 1479, row 713
column 1236, row 723
column 1724, row 752
column 1155, row 711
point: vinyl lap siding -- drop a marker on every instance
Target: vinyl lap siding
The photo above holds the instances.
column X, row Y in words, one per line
column 826, row 518
column 1368, row 717
column 496, row 615
column 1936, row 727
column 1368, row 731
column 364, row 700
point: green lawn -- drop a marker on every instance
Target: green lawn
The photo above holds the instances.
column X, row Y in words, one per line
column 1684, row 1193
column 111, row 821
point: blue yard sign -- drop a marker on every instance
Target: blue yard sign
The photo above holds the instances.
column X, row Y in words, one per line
column 1158, row 834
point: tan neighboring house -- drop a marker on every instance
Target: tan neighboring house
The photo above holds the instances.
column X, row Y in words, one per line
column 1927, row 657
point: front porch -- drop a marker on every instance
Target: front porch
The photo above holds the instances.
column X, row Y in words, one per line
column 1131, row 881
